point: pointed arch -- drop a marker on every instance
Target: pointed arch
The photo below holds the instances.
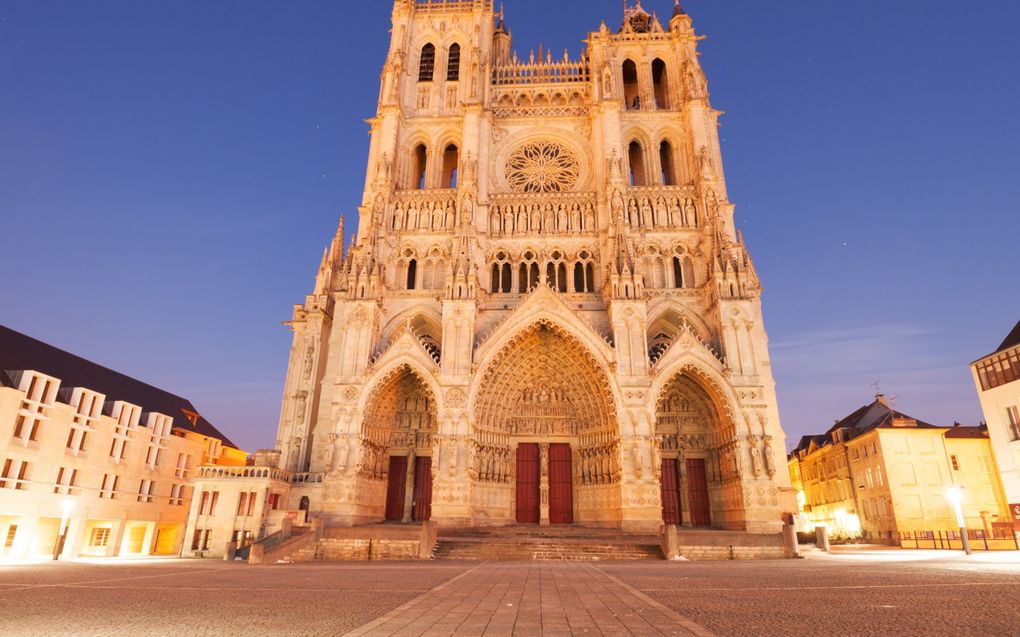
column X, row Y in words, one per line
column 660, row 83
column 631, row 86
column 453, row 63
column 427, row 64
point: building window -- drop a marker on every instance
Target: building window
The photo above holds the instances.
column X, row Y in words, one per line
column 453, row 66
column 99, row 538
column 660, row 80
column 955, row 462
column 12, row 531
column 451, row 159
column 631, row 90
column 108, row 490
column 242, row 503
column 200, row 540
column 412, row 274
column 273, row 501
column 67, row 480
column 183, row 466
column 177, row 495
column 1013, row 414
column 147, row 491
column 636, row 157
column 427, row 67
column 1000, row 369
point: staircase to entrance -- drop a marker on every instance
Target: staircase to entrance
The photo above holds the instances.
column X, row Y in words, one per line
column 517, row 543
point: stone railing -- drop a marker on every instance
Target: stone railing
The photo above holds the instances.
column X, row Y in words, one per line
column 258, row 473
column 450, row 6
column 541, row 71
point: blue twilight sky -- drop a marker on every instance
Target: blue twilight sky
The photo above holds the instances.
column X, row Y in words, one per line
column 170, row 171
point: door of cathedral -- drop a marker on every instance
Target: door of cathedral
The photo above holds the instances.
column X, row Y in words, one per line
column 697, row 493
column 396, row 488
column 528, row 474
column 670, row 492
column 561, row 485
column 422, row 510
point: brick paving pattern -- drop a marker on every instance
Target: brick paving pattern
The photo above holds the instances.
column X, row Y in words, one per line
column 893, row 593
column 532, row 598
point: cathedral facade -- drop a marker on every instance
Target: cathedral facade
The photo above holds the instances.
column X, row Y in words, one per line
column 547, row 315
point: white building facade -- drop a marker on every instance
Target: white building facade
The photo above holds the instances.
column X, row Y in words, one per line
column 93, row 471
column 997, row 378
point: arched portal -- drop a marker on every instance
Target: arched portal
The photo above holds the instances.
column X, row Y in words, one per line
column 547, row 440
column 397, row 441
column 688, row 427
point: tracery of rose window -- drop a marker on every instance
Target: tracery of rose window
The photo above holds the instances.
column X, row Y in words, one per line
column 541, row 167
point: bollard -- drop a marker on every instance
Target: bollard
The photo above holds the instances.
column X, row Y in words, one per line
column 790, row 539
column 822, row 538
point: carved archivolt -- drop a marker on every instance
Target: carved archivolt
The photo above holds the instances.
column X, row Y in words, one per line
column 401, row 414
column 545, row 384
column 542, row 167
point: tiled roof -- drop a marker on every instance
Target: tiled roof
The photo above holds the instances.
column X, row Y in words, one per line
column 959, row 431
column 877, row 415
column 19, row 352
column 1012, row 340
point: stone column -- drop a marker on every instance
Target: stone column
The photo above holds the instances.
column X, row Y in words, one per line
column 685, row 500
column 544, row 483
column 409, row 488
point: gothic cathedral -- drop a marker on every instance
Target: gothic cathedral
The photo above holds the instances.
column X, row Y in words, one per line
column 547, row 315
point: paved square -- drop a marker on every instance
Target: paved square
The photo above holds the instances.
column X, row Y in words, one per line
column 863, row 593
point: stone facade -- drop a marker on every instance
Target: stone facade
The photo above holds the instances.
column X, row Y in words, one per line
column 547, row 303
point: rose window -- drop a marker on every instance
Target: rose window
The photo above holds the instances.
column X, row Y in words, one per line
column 542, row 167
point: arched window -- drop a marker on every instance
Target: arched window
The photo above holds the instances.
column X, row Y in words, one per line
column 666, row 161
column 427, row 68
column 495, row 278
column 689, row 280
column 507, row 282
column 660, row 79
column 453, row 64
column 631, row 91
column 561, row 271
column 636, row 156
column 421, row 164
column 412, row 274
column 589, row 277
column 678, row 274
column 579, row 277
column 451, row 158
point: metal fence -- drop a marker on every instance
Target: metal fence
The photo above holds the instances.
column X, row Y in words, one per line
column 980, row 540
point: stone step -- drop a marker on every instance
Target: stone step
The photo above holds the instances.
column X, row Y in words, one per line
column 524, row 551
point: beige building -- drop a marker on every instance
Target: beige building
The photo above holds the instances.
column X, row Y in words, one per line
column 997, row 377
column 879, row 473
column 93, row 456
column 547, row 315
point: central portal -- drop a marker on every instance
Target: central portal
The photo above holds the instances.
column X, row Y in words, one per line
column 545, row 484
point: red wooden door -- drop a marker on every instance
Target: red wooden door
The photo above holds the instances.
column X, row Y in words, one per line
column 527, row 483
column 697, row 492
column 670, row 492
column 561, row 485
column 396, row 488
column 422, row 510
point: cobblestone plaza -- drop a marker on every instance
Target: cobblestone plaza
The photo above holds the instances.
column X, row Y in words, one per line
column 861, row 593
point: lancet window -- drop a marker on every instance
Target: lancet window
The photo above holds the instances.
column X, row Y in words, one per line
column 636, row 157
column 451, row 160
column 427, row 67
column 419, row 167
column 667, row 164
column 631, row 88
column 660, row 82
column 453, row 64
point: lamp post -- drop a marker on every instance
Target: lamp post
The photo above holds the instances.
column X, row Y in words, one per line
column 58, row 546
column 955, row 495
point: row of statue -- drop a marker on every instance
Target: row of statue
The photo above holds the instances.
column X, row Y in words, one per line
column 598, row 465
column 493, row 464
column 663, row 212
column 424, row 216
column 521, row 219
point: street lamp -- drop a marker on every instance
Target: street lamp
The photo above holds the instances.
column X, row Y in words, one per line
column 58, row 546
column 955, row 495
